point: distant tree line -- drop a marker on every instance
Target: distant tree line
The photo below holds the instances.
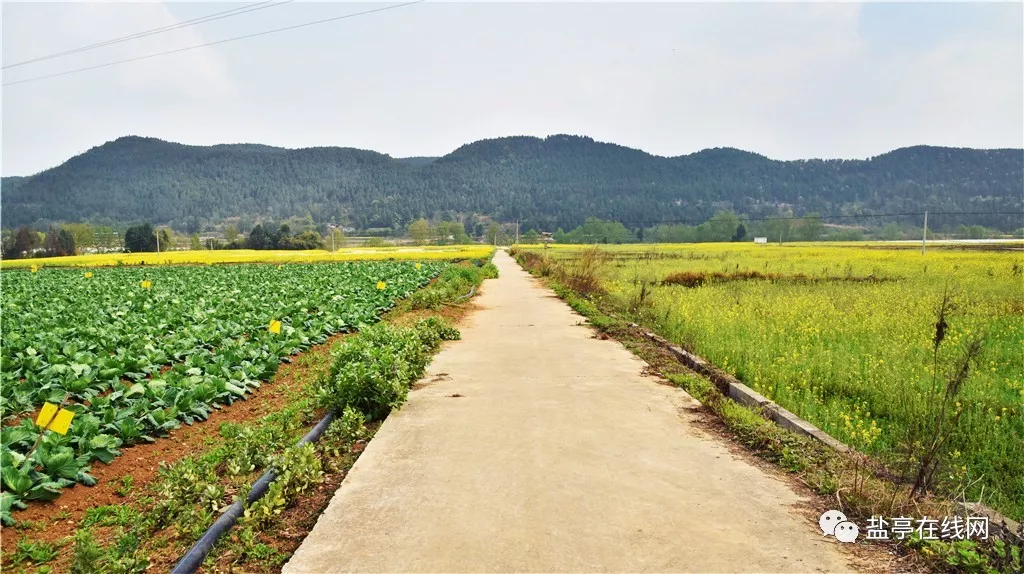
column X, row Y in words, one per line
column 25, row 242
column 723, row 226
column 281, row 238
column 727, row 226
column 443, row 233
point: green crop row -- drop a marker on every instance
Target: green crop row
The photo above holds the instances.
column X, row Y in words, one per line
column 136, row 352
column 372, row 372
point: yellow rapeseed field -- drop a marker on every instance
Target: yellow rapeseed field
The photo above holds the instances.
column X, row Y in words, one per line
column 449, row 252
column 843, row 335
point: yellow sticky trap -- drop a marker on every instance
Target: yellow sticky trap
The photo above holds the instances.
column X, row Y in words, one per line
column 35, row 268
column 418, row 266
column 381, row 285
column 62, row 422
column 46, row 414
column 275, row 327
column 146, row 284
column 88, row 274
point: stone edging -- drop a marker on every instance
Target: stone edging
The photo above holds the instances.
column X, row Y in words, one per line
column 731, row 387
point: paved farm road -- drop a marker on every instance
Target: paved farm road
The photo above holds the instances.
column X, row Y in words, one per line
column 558, row 457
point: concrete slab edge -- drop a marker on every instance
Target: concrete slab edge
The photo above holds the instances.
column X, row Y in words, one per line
column 737, row 391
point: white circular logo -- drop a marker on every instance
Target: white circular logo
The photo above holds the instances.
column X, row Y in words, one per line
column 829, row 520
column 846, row 532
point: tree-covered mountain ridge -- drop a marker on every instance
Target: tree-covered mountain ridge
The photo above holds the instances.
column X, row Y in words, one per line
column 549, row 182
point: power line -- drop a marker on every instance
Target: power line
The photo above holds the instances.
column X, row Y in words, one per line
column 171, row 27
column 186, row 48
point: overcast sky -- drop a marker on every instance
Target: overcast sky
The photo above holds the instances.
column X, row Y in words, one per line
column 786, row 80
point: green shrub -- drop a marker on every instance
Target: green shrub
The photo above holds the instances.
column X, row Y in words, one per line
column 454, row 282
column 372, row 372
column 298, row 468
column 489, row 271
column 349, row 427
column 433, row 330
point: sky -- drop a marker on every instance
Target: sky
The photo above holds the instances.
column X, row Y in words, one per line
column 787, row 80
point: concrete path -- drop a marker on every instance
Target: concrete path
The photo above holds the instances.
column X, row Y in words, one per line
column 558, row 456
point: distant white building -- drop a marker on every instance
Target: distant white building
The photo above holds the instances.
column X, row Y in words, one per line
column 760, row 240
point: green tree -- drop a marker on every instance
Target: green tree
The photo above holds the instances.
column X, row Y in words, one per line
column 891, row 232
column 493, row 233
column 531, row 237
column 451, row 233
column 83, row 233
column 194, row 243
column 230, row 233
column 25, row 240
column 140, row 239
column 338, row 236
column 307, row 240
column 419, row 231
column 721, row 227
column 813, row 227
column 59, row 242
column 779, row 228
column 257, row 238
column 166, row 235
column 977, row 232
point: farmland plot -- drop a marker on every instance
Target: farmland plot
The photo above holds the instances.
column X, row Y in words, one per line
column 136, row 352
column 845, row 336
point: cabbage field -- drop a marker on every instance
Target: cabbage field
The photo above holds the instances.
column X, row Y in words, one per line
column 137, row 351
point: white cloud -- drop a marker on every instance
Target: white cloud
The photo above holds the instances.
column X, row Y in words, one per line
column 788, row 80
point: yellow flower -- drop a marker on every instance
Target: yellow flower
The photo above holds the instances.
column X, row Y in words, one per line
column 35, row 268
column 418, row 265
column 381, row 285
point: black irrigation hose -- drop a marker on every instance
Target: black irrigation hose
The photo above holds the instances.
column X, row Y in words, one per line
column 467, row 295
column 192, row 560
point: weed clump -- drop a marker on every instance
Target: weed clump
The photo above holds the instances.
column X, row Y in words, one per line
column 372, row 373
column 454, row 283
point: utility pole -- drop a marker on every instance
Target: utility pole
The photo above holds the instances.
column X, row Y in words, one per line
column 157, row 233
column 517, row 232
column 924, row 238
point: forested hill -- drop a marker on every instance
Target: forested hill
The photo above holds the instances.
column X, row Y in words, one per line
column 551, row 182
